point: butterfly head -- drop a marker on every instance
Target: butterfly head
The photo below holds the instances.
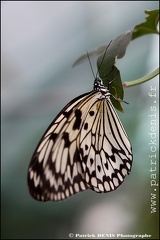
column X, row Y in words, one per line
column 98, row 83
column 99, row 86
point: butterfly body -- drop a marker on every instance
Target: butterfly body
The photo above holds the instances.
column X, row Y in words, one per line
column 85, row 147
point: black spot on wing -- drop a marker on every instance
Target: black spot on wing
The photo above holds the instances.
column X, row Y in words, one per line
column 99, row 168
column 91, row 161
column 53, row 136
column 78, row 115
column 67, row 114
column 36, row 165
column 91, row 113
column 113, row 158
column 85, row 126
column 66, row 139
column 86, row 147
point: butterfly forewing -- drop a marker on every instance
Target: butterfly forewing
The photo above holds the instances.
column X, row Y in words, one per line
column 55, row 171
column 85, row 146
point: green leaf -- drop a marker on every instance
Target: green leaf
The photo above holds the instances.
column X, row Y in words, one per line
column 115, row 87
column 108, row 72
column 149, row 26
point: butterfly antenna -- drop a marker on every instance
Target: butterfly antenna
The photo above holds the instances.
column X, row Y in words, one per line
column 103, row 58
column 90, row 65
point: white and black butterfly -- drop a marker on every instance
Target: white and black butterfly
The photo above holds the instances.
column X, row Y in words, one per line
column 85, row 147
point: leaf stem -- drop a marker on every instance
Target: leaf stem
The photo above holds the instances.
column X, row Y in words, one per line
column 141, row 80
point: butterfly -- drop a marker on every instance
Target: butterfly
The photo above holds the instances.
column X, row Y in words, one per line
column 85, row 147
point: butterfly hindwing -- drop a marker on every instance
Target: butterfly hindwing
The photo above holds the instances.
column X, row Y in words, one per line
column 105, row 148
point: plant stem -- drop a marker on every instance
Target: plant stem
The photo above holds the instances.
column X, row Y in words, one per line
column 142, row 80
